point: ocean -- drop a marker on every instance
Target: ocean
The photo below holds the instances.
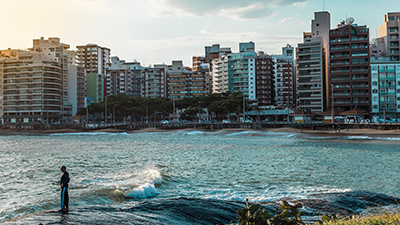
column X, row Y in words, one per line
column 121, row 171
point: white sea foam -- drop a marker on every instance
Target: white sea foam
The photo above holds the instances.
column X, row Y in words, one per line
column 143, row 191
column 135, row 185
column 87, row 133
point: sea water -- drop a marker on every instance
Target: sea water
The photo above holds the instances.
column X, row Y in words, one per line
column 109, row 168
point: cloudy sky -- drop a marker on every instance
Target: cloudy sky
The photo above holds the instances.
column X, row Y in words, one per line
column 159, row 31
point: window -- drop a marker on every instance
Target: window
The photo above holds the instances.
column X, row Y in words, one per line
column 375, row 91
column 317, row 24
column 398, row 91
column 375, row 106
column 375, row 83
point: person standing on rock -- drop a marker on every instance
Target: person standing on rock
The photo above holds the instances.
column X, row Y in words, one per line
column 64, row 189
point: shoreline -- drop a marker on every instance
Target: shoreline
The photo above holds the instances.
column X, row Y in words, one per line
column 304, row 133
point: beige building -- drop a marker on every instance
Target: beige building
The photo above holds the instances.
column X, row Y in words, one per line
column 390, row 34
column 35, row 85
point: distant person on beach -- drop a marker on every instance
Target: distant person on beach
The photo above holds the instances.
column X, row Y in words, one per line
column 64, row 189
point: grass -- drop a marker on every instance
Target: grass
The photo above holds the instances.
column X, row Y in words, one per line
column 382, row 218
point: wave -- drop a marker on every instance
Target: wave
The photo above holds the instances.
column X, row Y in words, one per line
column 88, row 133
column 142, row 184
column 356, row 138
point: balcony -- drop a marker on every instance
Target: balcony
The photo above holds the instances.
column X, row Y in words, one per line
column 387, row 78
column 340, row 71
column 360, row 85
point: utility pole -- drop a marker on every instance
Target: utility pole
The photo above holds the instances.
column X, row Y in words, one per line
column 244, row 107
column 105, row 114
column 333, row 121
column 173, row 111
column 147, row 112
column 199, row 112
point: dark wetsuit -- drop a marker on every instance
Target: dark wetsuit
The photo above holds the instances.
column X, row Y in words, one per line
column 64, row 190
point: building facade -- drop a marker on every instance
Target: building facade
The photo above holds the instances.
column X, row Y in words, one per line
column 220, row 75
column 390, row 34
column 285, row 77
column 182, row 82
column 385, row 88
column 35, row 84
column 310, row 75
column 154, row 82
column 349, row 73
column 94, row 59
column 265, row 82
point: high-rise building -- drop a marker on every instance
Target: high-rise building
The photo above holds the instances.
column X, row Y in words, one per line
column 220, row 75
column 390, row 34
column 123, row 78
column 349, row 73
column 182, row 82
column 311, row 65
column 265, row 80
column 40, row 85
column 385, row 88
column 199, row 62
column 94, row 59
column 154, row 82
column 310, row 75
column 76, row 88
column 117, row 77
column 242, row 71
column 285, row 77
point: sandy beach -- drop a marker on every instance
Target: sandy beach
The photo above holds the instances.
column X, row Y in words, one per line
column 323, row 133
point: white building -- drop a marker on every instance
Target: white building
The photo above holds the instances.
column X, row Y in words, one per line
column 385, row 88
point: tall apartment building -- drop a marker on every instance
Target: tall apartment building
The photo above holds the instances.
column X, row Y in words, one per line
column 38, row 85
column 220, row 75
column 154, row 82
column 76, row 88
column 117, row 77
column 123, row 78
column 215, row 51
column 385, row 88
column 182, row 82
column 390, row 34
column 94, row 59
column 310, row 75
column 312, row 65
column 349, row 72
column 285, row 77
column 265, row 80
column 242, row 71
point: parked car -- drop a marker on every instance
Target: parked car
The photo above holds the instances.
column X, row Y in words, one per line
column 164, row 121
column 226, row 121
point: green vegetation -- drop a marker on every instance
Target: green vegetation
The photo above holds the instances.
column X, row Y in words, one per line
column 383, row 218
column 253, row 215
column 290, row 215
column 136, row 108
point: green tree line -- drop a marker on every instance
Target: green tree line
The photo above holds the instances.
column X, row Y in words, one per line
column 136, row 108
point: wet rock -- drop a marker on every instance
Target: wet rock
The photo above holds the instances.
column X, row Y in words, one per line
column 200, row 211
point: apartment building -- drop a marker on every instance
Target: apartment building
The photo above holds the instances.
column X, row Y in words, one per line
column 220, row 75
column 390, row 33
column 385, row 88
column 349, row 73
column 310, row 75
column 36, row 86
column 154, row 82
column 285, row 77
column 242, row 71
column 182, row 82
column 265, row 80
column 76, row 88
column 94, row 59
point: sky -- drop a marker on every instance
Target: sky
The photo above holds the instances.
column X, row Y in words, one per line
column 159, row 31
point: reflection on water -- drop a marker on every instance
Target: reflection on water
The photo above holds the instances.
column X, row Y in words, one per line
column 125, row 168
